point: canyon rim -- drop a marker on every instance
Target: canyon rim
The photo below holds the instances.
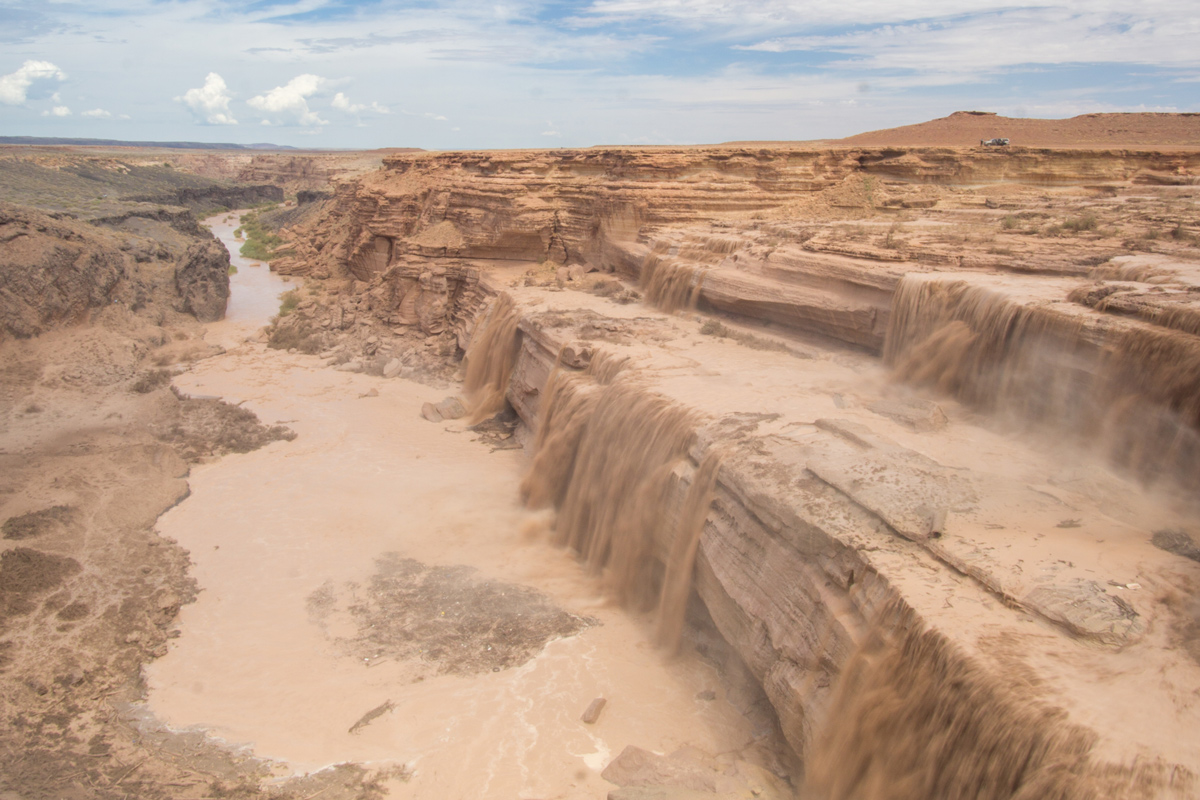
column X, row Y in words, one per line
column 855, row 469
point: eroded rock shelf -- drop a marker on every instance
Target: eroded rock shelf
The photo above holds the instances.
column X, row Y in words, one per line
column 944, row 440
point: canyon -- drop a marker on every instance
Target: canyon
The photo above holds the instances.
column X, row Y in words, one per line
column 899, row 442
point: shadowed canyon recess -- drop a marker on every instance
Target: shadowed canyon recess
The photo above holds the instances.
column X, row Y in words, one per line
column 850, row 471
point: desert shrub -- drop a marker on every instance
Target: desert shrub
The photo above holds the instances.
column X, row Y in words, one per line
column 284, row 335
column 288, row 302
column 1181, row 234
column 149, row 381
column 607, row 288
column 1086, row 222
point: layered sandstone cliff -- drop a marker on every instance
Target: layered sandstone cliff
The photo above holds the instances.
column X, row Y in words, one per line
column 932, row 608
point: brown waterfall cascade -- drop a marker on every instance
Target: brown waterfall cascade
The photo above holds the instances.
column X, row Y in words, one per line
column 490, row 358
column 671, row 285
column 1025, row 589
column 912, row 718
column 804, row 535
column 1134, row 385
column 681, row 563
column 985, row 349
column 607, row 457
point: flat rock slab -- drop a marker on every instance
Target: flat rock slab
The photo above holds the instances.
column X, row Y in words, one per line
column 689, row 773
column 969, row 521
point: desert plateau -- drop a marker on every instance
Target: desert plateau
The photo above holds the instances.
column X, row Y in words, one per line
column 855, row 469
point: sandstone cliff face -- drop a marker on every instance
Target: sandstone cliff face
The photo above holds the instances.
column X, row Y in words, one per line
column 202, row 280
column 818, row 242
column 1053, row 291
column 52, row 271
column 818, row 562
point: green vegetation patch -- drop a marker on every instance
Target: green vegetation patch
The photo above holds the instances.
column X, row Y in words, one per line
column 262, row 244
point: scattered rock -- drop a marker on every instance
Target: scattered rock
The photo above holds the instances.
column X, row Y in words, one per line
column 638, row 767
column 429, row 411
column 1085, row 609
column 592, row 713
column 912, row 412
column 392, row 368
column 451, row 408
column 1173, row 541
column 372, row 715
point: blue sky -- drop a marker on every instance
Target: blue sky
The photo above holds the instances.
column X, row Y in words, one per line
column 444, row 74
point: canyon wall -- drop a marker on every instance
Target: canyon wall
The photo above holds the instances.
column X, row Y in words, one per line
column 923, row 623
column 820, row 243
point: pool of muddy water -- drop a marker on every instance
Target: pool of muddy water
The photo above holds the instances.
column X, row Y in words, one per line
column 372, row 592
column 254, row 289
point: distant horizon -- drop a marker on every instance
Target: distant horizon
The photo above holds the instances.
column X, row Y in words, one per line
column 35, row 141
column 465, row 74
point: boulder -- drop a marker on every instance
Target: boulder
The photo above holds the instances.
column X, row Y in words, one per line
column 202, row 280
column 451, row 408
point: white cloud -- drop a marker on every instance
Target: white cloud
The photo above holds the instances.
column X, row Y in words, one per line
column 210, row 102
column 14, row 87
column 288, row 105
column 57, row 111
column 98, row 113
column 342, row 103
column 1042, row 36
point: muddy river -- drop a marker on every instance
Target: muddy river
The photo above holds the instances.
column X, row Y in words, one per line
column 373, row 592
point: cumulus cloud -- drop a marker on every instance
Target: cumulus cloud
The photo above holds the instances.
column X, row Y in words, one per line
column 288, row 105
column 342, row 103
column 14, row 87
column 97, row 113
column 57, row 111
column 210, row 102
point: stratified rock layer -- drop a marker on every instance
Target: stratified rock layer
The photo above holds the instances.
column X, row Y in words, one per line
column 931, row 609
column 202, row 280
column 52, row 271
